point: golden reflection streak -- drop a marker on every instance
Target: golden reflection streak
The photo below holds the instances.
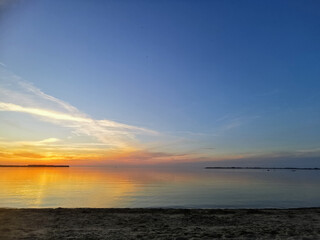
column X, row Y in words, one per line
column 33, row 185
column 96, row 187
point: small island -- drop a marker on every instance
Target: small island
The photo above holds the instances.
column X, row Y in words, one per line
column 34, row 165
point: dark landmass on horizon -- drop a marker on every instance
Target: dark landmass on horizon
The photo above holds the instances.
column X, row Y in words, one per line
column 32, row 165
column 265, row 168
column 146, row 223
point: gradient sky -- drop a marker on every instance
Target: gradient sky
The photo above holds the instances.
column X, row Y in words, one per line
column 97, row 82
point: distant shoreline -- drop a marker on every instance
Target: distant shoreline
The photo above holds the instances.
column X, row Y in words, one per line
column 265, row 168
column 34, row 166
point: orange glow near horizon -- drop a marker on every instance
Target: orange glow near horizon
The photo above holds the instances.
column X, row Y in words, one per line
column 35, row 155
column 42, row 152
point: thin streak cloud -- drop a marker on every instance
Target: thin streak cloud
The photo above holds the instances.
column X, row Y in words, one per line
column 21, row 96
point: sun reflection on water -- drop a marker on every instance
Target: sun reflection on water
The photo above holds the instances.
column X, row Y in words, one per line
column 134, row 187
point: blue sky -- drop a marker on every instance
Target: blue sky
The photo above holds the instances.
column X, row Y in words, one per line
column 223, row 79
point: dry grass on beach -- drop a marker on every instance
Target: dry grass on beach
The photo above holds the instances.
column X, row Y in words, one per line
column 179, row 224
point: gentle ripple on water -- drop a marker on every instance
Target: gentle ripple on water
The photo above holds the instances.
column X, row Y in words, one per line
column 133, row 187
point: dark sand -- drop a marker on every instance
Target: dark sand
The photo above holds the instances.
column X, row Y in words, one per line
column 159, row 224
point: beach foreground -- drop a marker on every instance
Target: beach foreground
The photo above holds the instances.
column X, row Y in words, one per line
column 179, row 224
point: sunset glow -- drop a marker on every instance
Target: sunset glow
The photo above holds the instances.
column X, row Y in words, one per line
column 116, row 84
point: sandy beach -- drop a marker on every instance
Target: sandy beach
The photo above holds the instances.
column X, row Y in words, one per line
column 178, row 224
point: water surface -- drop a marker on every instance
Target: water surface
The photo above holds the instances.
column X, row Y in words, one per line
column 134, row 187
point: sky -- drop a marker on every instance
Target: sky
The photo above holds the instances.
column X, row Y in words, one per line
column 153, row 82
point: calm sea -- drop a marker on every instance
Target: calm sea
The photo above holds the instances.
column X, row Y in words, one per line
column 133, row 187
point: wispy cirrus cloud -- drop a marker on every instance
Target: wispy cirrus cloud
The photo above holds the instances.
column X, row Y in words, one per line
column 31, row 143
column 20, row 96
column 237, row 122
column 95, row 140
